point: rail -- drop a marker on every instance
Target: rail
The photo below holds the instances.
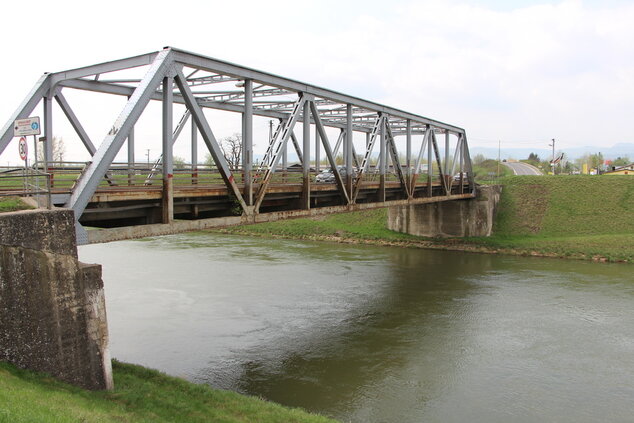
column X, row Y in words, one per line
column 26, row 182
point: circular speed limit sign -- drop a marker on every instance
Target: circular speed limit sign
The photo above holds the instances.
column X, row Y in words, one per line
column 24, row 150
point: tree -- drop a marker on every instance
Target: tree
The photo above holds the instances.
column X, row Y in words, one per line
column 479, row 159
column 178, row 161
column 58, row 151
column 533, row 157
column 621, row 161
column 232, row 150
column 594, row 161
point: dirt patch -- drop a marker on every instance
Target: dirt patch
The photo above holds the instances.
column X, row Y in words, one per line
column 531, row 205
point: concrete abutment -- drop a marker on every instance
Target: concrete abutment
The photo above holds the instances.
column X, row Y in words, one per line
column 463, row 218
column 52, row 307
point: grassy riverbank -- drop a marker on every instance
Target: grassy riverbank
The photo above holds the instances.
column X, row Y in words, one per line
column 8, row 204
column 141, row 395
column 582, row 217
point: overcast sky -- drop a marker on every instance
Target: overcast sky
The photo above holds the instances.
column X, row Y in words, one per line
column 522, row 72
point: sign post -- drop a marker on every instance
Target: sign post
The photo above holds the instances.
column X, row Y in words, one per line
column 22, row 128
column 24, row 150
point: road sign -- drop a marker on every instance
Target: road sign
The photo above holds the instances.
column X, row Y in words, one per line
column 22, row 147
column 27, row 126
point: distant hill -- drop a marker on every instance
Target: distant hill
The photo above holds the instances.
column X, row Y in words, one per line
column 620, row 149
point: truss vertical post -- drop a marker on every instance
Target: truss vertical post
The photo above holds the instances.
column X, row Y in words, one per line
column 430, row 164
column 194, row 152
column 382, row 159
column 305, row 202
column 462, row 164
column 131, row 156
column 348, row 142
column 408, row 149
column 317, row 151
column 469, row 166
column 446, row 167
column 168, row 162
column 247, row 140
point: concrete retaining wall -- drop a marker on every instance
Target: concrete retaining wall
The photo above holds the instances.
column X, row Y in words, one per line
column 52, row 307
column 462, row 218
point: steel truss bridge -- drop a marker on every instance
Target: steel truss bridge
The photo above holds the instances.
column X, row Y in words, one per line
column 168, row 199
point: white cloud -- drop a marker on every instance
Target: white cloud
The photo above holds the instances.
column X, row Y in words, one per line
column 552, row 69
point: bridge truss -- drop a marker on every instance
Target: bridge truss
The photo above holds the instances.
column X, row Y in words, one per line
column 380, row 175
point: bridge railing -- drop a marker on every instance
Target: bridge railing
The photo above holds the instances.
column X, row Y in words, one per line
column 26, row 182
column 62, row 176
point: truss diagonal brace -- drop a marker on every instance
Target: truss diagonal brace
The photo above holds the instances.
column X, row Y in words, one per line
column 395, row 159
column 105, row 154
column 27, row 106
column 209, row 138
column 285, row 134
column 419, row 159
column 438, row 162
column 298, row 149
column 331, row 158
column 366, row 157
column 72, row 118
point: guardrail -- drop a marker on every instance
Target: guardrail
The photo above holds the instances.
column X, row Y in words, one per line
column 26, row 182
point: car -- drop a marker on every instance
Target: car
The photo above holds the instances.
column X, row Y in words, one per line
column 327, row 176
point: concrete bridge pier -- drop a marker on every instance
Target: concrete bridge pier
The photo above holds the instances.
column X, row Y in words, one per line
column 463, row 218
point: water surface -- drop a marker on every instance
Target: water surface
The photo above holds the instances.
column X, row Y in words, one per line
column 377, row 334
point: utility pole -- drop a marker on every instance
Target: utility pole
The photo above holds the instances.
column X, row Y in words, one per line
column 499, row 151
column 552, row 163
column 148, row 158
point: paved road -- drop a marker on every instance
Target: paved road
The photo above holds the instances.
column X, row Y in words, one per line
column 519, row 168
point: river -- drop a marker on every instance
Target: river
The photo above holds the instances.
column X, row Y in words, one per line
column 377, row 334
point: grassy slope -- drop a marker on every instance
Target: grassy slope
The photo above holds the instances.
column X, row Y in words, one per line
column 367, row 224
column 569, row 216
column 576, row 216
column 8, row 204
column 141, row 395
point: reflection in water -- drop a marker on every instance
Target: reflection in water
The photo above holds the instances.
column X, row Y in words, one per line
column 374, row 334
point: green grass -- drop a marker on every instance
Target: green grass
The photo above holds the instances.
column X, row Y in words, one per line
column 567, row 205
column 612, row 248
column 141, row 395
column 362, row 225
column 576, row 216
column 8, row 204
column 487, row 171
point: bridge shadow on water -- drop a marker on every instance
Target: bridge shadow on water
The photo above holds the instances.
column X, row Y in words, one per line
column 346, row 364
